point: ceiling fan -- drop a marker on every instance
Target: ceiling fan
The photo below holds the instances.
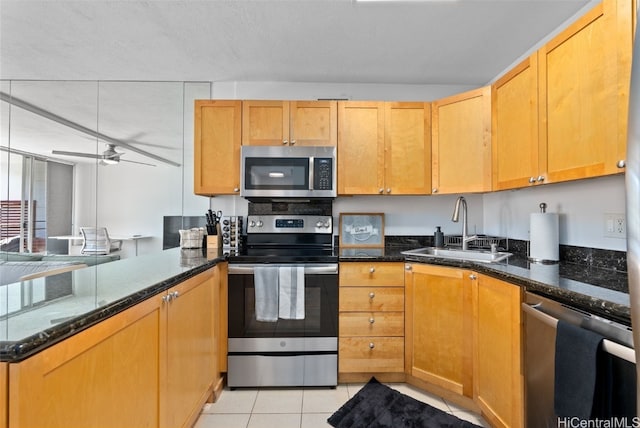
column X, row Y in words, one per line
column 108, row 157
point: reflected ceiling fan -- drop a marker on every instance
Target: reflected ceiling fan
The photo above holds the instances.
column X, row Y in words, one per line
column 108, row 157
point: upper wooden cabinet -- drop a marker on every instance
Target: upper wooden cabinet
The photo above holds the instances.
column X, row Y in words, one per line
column 461, row 142
column 360, row 147
column 300, row 123
column 217, row 138
column 561, row 114
column 515, row 127
column 584, row 76
column 384, row 148
column 407, row 142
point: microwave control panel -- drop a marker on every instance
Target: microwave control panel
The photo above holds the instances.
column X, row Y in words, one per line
column 323, row 175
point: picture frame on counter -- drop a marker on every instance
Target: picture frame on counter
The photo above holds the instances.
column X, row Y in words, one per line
column 363, row 230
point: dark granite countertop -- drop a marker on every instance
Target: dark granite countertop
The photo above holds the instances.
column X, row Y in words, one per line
column 593, row 289
column 76, row 300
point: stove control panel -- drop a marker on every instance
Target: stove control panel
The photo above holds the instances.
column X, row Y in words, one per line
column 289, row 224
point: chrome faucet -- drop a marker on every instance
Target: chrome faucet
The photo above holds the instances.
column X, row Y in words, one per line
column 456, row 214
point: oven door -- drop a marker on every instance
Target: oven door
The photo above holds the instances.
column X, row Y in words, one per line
column 321, row 305
column 285, row 352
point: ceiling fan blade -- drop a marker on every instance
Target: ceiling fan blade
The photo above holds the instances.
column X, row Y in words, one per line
column 140, row 163
column 77, row 154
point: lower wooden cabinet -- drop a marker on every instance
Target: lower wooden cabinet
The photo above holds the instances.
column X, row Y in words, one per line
column 188, row 358
column 497, row 370
column 371, row 321
column 463, row 334
column 439, row 326
column 152, row 365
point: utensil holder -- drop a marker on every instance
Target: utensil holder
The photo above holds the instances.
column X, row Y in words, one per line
column 214, row 242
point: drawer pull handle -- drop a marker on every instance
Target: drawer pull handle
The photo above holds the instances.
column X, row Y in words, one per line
column 371, row 320
column 372, row 295
column 371, row 345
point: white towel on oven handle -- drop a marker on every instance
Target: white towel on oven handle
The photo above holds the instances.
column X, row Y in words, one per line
column 266, row 293
column 291, row 279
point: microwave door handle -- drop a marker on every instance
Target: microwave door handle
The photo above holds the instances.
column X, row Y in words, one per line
column 311, row 171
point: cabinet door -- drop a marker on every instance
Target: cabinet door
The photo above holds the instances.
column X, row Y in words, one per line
column 4, row 394
column 190, row 358
column 105, row 376
column 461, row 145
column 498, row 380
column 438, row 327
column 407, row 148
column 360, row 148
column 313, row 123
column 515, row 127
column 265, row 123
column 581, row 101
column 217, row 140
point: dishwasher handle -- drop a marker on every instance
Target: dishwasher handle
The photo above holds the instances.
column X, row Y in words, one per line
column 609, row 346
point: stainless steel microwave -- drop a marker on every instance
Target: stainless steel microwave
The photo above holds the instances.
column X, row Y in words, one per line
column 288, row 172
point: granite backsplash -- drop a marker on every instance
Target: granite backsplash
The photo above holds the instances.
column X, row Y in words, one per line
column 602, row 267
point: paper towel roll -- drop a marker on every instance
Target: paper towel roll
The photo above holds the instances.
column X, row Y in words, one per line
column 544, row 237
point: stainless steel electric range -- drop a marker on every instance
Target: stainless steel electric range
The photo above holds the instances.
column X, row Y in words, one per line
column 283, row 302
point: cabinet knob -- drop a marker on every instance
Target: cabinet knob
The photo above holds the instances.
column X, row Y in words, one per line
column 532, row 180
column 434, row 190
column 388, row 190
column 371, row 320
column 236, row 189
column 372, row 269
column 175, row 295
column 407, row 267
column 285, row 142
column 293, row 142
column 371, row 345
column 166, row 298
column 621, row 163
column 540, row 178
column 473, row 276
column 372, row 295
column 381, row 190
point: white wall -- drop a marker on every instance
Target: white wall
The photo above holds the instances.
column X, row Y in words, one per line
column 581, row 206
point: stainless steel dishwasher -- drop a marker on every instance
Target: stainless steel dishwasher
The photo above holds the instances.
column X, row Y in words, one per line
column 541, row 317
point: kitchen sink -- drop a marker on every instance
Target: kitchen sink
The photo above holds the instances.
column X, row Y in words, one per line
column 483, row 256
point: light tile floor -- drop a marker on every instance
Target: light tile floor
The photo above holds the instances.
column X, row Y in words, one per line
column 300, row 407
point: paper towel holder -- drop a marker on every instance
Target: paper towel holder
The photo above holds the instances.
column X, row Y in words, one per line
column 539, row 253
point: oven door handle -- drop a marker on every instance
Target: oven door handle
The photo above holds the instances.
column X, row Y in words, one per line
column 309, row 269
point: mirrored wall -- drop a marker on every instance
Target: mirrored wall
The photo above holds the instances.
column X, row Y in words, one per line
column 110, row 154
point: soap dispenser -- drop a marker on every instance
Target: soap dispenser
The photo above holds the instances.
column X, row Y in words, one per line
column 438, row 238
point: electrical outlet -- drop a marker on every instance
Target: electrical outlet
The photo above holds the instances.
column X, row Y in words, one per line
column 615, row 226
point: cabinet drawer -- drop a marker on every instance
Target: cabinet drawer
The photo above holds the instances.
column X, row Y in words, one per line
column 370, row 354
column 371, row 299
column 355, row 274
column 360, row 324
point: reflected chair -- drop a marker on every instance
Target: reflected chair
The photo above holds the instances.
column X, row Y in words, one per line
column 96, row 241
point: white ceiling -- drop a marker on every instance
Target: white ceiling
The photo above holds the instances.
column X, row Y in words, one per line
column 460, row 42
column 465, row 42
